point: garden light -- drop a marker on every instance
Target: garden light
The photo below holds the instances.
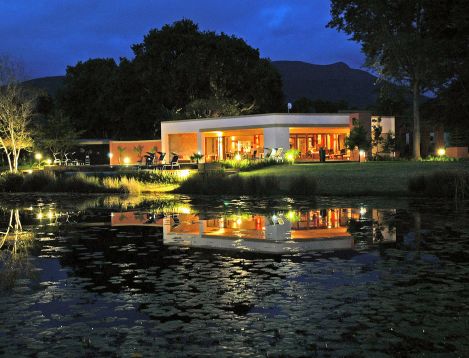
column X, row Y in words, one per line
column 183, row 174
column 126, row 160
column 237, row 157
column 441, row 152
column 290, row 157
column 109, row 155
column 38, row 156
column 49, row 161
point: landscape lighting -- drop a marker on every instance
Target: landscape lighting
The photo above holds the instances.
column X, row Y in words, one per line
column 237, row 157
column 441, row 152
column 126, row 160
column 38, row 156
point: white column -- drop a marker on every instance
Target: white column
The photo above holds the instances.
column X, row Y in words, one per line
column 277, row 137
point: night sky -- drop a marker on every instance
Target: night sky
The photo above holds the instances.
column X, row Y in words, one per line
column 48, row 35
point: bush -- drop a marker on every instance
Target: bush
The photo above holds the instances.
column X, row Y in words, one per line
column 79, row 183
column 123, row 185
column 219, row 184
column 245, row 165
column 11, row 182
column 157, row 177
column 449, row 184
column 38, row 181
column 439, row 158
column 303, row 185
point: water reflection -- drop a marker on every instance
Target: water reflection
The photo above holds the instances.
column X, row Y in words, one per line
column 15, row 243
column 192, row 276
column 281, row 232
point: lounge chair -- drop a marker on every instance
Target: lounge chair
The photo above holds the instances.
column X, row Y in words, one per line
column 278, row 154
column 270, row 153
column 173, row 163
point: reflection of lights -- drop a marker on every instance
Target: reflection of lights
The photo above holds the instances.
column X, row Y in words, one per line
column 40, row 216
column 239, row 221
column 441, row 152
column 237, row 157
column 50, row 215
column 292, row 216
column 49, row 161
column 38, row 156
column 29, row 171
column 185, row 210
column 126, row 160
column 362, row 211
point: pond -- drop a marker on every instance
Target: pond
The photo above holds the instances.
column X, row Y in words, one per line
column 181, row 276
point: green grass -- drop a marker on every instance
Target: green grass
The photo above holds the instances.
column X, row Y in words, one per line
column 356, row 179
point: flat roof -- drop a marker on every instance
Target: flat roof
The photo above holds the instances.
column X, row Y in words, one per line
column 259, row 115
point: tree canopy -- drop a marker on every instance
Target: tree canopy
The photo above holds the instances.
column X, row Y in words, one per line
column 410, row 42
column 177, row 70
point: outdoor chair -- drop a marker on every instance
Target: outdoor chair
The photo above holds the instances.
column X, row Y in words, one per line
column 149, row 159
column 173, row 163
column 160, row 163
column 270, row 153
column 278, row 154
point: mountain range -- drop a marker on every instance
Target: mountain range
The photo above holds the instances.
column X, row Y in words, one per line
column 334, row 82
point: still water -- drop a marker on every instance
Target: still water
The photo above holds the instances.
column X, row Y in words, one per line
column 180, row 276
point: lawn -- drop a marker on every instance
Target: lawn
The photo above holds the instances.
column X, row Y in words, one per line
column 370, row 178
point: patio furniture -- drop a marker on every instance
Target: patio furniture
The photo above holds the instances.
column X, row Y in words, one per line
column 173, row 163
column 149, row 159
column 278, row 154
column 254, row 155
column 270, row 153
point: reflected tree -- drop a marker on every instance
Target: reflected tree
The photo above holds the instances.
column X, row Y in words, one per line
column 14, row 252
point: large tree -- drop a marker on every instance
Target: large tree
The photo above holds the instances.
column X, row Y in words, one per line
column 408, row 42
column 177, row 71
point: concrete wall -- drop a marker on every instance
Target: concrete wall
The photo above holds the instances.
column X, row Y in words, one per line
column 129, row 152
column 184, row 144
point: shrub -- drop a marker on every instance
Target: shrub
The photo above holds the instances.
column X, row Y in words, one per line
column 79, row 183
column 245, row 165
column 123, row 185
column 439, row 158
column 449, row 184
column 11, row 182
column 157, row 176
column 38, row 181
column 302, row 185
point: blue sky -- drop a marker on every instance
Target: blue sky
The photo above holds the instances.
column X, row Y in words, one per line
column 48, row 35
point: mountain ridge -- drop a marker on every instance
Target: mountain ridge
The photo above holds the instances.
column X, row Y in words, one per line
column 332, row 82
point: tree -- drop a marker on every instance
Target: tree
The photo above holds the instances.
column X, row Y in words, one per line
column 89, row 97
column 177, row 70
column 56, row 134
column 376, row 135
column 406, row 41
column 358, row 138
column 16, row 109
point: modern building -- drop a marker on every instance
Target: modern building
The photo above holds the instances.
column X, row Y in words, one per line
column 254, row 135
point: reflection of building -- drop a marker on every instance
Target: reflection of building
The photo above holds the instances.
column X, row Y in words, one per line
column 292, row 231
column 282, row 233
